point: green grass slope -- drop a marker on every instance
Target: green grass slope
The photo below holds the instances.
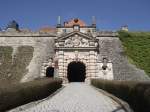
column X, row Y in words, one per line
column 137, row 48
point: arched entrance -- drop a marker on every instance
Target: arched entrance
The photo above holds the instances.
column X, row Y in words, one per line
column 76, row 72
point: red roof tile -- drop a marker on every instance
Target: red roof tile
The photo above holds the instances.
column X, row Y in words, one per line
column 47, row 30
column 73, row 22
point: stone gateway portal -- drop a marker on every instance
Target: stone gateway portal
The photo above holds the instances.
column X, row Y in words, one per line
column 76, row 72
column 77, row 53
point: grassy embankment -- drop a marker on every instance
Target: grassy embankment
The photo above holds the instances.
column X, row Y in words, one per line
column 137, row 48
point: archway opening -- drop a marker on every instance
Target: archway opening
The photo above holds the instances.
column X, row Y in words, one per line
column 76, row 72
column 50, row 72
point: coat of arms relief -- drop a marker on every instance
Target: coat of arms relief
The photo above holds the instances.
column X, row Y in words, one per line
column 76, row 41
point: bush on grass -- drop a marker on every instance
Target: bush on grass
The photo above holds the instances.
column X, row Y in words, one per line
column 137, row 94
column 18, row 94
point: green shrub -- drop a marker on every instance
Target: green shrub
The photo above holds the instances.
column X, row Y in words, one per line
column 137, row 94
column 19, row 94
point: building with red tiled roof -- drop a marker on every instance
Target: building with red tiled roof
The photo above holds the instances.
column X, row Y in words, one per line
column 73, row 22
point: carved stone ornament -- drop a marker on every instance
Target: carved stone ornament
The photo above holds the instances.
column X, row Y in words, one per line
column 76, row 41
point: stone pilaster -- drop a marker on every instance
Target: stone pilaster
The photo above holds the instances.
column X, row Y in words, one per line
column 61, row 63
column 92, row 64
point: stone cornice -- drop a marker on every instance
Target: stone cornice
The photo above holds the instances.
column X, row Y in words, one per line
column 76, row 48
column 74, row 33
column 107, row 34
column 26, row 34
column 80, row 27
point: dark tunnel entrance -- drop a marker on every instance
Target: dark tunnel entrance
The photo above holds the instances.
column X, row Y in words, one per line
column 76, row 72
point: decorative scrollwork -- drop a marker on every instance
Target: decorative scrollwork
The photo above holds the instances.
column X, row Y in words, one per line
column 76, row 41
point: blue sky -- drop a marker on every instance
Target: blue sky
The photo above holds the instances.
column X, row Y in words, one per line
column 110, row 14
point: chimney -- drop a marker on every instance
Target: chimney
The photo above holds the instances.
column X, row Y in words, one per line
column 93, row 21
column 59, row 21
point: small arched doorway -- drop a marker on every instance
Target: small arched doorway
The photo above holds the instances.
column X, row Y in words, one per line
column 76, row 72
column 50, row 71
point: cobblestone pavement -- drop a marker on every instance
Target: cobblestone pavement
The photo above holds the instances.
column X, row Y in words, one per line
column 77, row 97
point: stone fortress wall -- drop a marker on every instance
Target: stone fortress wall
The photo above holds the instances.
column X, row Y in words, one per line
column 44, row 50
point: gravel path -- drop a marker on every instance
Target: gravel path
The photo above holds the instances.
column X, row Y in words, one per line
column 77, row 97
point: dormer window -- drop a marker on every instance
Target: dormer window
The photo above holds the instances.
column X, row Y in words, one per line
column 76, row 28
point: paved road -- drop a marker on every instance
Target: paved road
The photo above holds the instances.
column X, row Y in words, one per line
column 77, row 97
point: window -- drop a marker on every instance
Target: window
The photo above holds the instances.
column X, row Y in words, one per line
column 76, row 28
